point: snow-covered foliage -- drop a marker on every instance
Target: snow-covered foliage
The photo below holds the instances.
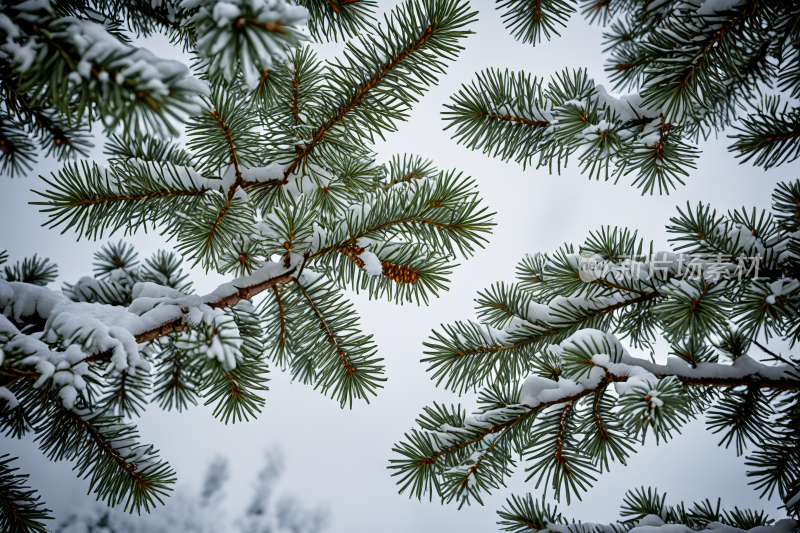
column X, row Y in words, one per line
column 281, row 184
column 73, row 363
column 101, row 76
column 561, row 391
column 276, row 185
column 110, row 318
column 208, row 511
column 246, row 37
column 69, row 64
column 514, row 116
column 695, row 66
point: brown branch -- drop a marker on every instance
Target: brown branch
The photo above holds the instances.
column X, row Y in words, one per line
column 105, row 447
column 263, row 79
column 560, row 438
column 610, row 285
column 235, row 391
column 717, row 37
column 403, row 221
column 229, row 138
column 101, row 356
column 357, row 98
column 226, row 131
column 243, row 293
column 10, row 375
column 336, row 5
column 610, row 378
column 658, row 148
column 780, row 138
column 122, row 391
column 355, row 238
column 598, row 420
column 280, row 313
column 696, row 302
column 269, row 26
column 531, row 525
column 331, row 338
column 407, row 178
column 255, row 184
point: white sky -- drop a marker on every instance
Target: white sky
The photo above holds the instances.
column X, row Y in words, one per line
column 339, row 457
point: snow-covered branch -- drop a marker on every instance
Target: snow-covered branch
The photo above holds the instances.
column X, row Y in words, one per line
column 93, row 332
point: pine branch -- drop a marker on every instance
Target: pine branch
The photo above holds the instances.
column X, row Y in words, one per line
column 514, row 116
column 417, row 467
column 235, row 383
column 141, row 17
column 93, row 200
column 125, row 471
column 21, row 124
column 651, row 401
column 18, row 151
column 530, row 21
column 467, row 354
column 677, row 79
column 124, row 149
column 771, row 135
column 328, row 19
column 223, row 297
column 246, row 39
column 278, row 164
column 32, row 270
column 345, row 364
column 606, row 438
column 125, row 394
column 97, row 91
column 282, row 337
column 212, row 232
column 20, row 509
column 177, row 380
column 546, row 328
column 568, row 467
column 410, row 168
column 419, row 37
column 525, row 514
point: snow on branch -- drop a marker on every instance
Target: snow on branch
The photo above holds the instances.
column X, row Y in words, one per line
column 109, row 79
column 547, row 349
column 514, row 116
column 650, row 399
column 696, row 67
column 95, row 331
column 245, row 36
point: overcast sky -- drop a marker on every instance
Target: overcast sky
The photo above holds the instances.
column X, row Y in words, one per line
column 339, row 457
